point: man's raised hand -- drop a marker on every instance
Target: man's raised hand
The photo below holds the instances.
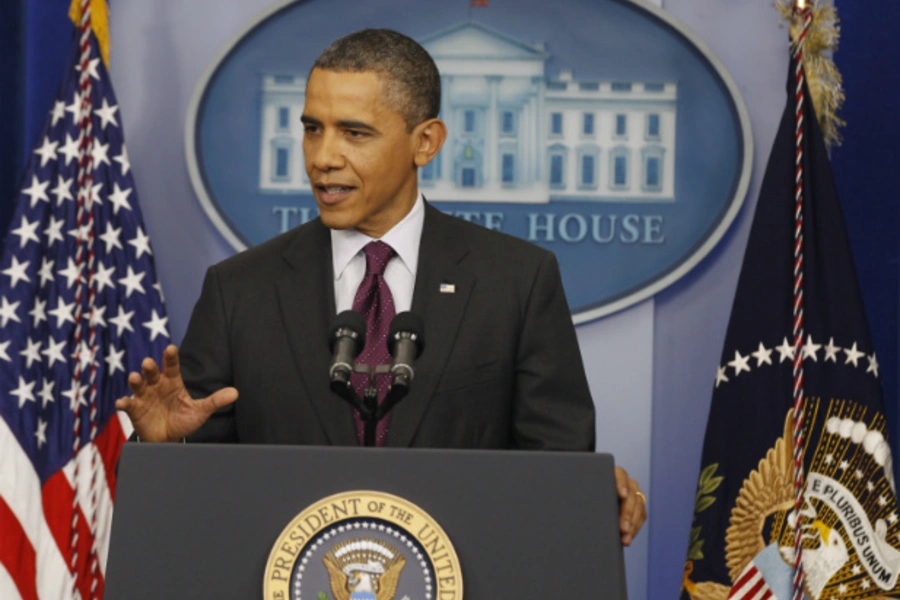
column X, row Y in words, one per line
column 161, row 408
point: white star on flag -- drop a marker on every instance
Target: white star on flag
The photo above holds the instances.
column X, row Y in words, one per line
column 122, row 321
column 63, row 312
column 720, row 376
column 114, row 359
column 141, row 243
column 740, row 363
column 46, row 392
column 831, row 351
column 853, row 355
column 8, row 311
column 132, row 282
column 54, row 231
column 119, row 198
column 810, row 349
column 110, row 237
column 26, row 232
column 107, row 114
column 157, row 325
column 63, row 190
column 41, row 433
column 70, row 148
column 38, row 312
column 76, row 396
column 103, row 277
column 47, row 151
column 54, row 352
column 762, row 355
column 16, row 272
column 873, row 364
column 32, row 352
column 25, row 392
column 786, row 351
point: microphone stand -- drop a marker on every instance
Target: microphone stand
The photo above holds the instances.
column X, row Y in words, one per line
column 369, row 411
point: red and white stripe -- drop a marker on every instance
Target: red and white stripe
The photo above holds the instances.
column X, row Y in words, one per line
column 798, row 328
column 36, row 552
column 751, row 586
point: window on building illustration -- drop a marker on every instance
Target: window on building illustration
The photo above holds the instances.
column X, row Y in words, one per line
column 653, row 126
column 469, row 121
column 588, row 125
column 620, row 171
column 654, row 87
column 621, row 86
column 621, row 124
column 589, row 86
column 587, row 170
column 468, row 177
column 509, row 168
column 652, row 178
column 556, row 123
column 557, row 164
column 286, row 79
column 284, row 117
column 508, row 122
column 282, row 163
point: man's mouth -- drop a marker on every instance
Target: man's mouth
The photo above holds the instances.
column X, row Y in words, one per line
column 331, row 194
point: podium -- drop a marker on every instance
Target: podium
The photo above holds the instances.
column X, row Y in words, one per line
column 200, row 520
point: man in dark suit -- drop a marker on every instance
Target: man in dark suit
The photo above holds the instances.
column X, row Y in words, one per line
column 501, row 366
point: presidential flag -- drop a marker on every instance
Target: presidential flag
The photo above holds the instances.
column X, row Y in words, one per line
column 80, row 306
column 797, row 321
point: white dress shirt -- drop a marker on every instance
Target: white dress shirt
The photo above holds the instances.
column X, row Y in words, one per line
column 349, row 260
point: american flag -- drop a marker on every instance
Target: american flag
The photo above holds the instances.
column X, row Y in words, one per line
column 80, row 306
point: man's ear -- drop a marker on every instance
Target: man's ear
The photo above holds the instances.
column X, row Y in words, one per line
column 429, row 137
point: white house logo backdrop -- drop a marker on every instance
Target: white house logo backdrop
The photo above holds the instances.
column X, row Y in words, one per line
column 606, row 133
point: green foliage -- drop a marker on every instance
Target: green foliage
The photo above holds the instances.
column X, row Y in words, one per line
column 322, row 596
column 706, row 488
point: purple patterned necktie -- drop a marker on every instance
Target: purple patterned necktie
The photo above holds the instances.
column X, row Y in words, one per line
column 376, row 303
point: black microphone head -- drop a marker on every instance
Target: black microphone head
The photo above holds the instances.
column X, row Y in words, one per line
column 348, row 321
column 408, row 325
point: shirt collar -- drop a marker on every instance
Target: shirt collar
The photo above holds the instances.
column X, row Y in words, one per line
column 404, row 238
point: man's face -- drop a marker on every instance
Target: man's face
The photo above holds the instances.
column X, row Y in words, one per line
column 360, row 158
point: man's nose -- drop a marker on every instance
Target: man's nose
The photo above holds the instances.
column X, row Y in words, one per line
column 327, row 153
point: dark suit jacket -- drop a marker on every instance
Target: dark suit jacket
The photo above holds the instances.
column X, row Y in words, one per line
column 501, row 366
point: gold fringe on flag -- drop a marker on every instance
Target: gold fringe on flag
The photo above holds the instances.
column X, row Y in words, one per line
column 99, row 23
column 822, row 75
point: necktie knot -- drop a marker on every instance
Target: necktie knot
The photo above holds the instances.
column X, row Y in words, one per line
column 377, row 256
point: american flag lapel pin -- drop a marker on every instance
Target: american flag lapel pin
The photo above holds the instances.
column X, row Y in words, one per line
column 448, row 288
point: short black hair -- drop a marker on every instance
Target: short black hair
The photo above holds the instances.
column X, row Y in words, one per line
column 412, row 84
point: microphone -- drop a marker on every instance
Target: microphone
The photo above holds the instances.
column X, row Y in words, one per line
column 345, row 341
column 406, row 340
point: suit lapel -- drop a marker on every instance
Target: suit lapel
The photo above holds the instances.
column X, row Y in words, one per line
column 440, row 253
column 306, row 300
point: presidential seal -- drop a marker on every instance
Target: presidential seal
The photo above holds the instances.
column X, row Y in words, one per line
column 363, row 545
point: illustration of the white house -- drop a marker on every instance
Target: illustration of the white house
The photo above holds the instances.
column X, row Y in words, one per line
column 514, row 134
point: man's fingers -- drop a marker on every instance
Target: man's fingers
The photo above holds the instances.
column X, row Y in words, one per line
column 170, row 362
column 125, row 403
column 150, row 371
column 622, row 483
column 217, row 400
column 626, row 512
column 136, row 383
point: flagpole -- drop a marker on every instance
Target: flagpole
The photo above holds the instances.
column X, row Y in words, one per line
column 802, row 11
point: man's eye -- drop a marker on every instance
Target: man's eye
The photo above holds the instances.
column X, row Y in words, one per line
column 356, row 134
column 310, row 129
